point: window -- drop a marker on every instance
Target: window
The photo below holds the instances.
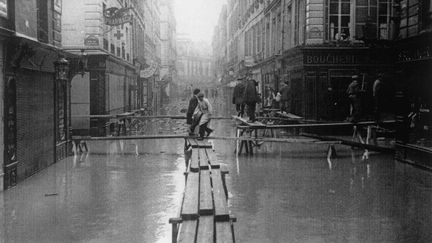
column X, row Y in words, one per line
column 112, row 49
column 105, row 44
column 339, row 15
column 409, row 18
column 118, row 51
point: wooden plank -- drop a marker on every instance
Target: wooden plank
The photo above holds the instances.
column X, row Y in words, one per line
column 249, row 124
column 204, row 165
column 219, row 197
column 205, row 229
column 191, row 197
column 187, row 233
column 194, row 162
column 224, row 233
column 211, row 156
column 352, row 143
column 205, row 199
column 201, row 144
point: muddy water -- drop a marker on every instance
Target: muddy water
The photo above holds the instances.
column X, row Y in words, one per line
column 126, row 191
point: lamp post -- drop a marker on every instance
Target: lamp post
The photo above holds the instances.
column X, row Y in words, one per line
column 61, row 67
column 62, row 109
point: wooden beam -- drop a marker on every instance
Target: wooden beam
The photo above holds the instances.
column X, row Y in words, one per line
column 224, row 232
column 187, row 232
column 189, row 209
column 205, row 229
column 352, row 143
column 206, row 200
column 149, row 137
column 219, row 197
column 310, row 125
column 194, row 162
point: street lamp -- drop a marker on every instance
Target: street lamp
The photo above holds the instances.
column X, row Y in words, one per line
column 61, row 68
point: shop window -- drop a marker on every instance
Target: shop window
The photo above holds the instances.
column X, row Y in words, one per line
column 409, row 18
column 105, row 44
column 339, row 13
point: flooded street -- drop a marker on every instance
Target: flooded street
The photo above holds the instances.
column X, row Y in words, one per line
column 125, row 191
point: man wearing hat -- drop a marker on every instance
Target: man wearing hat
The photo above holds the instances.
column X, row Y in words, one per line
column 238, row 94
column 353, row 92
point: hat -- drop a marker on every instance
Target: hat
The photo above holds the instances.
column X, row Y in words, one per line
column 354, row 77
column 196, row 91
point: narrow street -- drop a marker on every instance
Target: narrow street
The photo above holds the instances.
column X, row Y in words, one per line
column 125, row 191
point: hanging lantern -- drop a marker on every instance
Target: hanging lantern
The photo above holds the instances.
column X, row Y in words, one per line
column 61, row 69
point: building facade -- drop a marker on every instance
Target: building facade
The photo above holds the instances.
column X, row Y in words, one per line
column 35, row 99
column 414, row 87
column 120, row 42
column 193, row 66
column 168, row 34
column 314, row 46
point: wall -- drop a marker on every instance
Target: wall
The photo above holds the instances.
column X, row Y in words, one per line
column 1, row 118
column 80, row 101
column 35, row 121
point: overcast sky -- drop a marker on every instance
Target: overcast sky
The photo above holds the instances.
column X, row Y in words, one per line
column 197, row 18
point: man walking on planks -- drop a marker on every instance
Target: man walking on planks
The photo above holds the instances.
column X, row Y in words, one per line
column 193, row 103
column 251, row 98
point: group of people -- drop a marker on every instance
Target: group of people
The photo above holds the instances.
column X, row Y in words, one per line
column 354, row 92
column 199, row 115
column 245, row 95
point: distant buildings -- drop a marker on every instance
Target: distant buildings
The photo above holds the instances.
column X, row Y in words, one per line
column 193, row 65
column 168, row 34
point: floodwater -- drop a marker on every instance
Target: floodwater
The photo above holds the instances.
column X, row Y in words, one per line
column 126, row 191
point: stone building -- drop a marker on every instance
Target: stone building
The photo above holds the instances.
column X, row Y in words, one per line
column 168, row 49
column 193, row 66
column 313, row 45
column 413, row 77
column 34, row 100
column 120, row 42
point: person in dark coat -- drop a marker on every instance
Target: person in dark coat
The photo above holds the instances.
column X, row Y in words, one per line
column 353, row 92
column 237, row 99
column 251, row 98
column 377, row 95
column 285, row 97
column 193, row 102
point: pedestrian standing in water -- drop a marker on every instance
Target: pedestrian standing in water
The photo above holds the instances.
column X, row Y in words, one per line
column 204, row 111
column 193, row 103
column 237, row 99
column 285, row 97
column 251, row 98
column 377, row 96
column 353, row 92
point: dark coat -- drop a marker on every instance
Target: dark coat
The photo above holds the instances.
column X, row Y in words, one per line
column 238, row 94
column 251, row 94
column 285, row 93
column 193, row 102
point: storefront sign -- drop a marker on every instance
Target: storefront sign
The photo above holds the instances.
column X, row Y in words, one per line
column 91, row 40
column 114, row 16
column 148, row 72
column 3, row 8
column 330, row 59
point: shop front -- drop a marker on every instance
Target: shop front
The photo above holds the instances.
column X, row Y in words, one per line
column 414, row 97
column 319, row 77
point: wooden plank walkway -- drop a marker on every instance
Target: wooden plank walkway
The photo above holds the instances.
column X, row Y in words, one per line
column 204, row 214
